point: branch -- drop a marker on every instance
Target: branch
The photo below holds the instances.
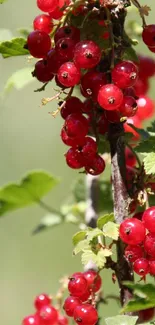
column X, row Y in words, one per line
column 121, row 203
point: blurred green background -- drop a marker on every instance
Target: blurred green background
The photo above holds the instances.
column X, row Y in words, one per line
column 29, row 139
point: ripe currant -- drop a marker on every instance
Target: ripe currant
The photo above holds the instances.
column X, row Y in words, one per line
column 73, row 105
column 141, row 266
column 76, row 125
column 124, row 74
column 77, row 285
column 48, row 315
column 69, row 305
column 41, row 301
column 39, row 43
column 149, row 245
column 87, row 54
column 68, row 74
column 47, row 5
column 67, row 31
column 132, row 231
column 96, row 166
column 133, row 252
column 85, row 314
column 43, row 22
column 93, row 279
column 74, row 159
column 149, row 219
column 148, row 35
column 31, row 320
column 110, row 97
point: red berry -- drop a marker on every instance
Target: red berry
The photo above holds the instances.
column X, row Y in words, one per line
column 141, row 266
column 96, row 166
column 130, row 158
column 54, row 61
column 41, row 301
column 43, row 22
column 62, row 320
column 93, row 279
column 42, row 71
column 146, row 315
column 65, row 47
column 132, row 253
column 63, row 3
column 149, row 219
column 130, row 91
column 48, row 315
column 129, row 106
column 74, row 159
column 141, row 87
column 149, row 245
column 70, row 304
column 56, row 13
column 76, row 125
column 67, row 31
column 91, row 83
column 145, row 107
column 47, row 5
column 31, row 320
column 87, row 54
column 85, row 296
column 39, row 43
column 88, row 106
column 132, row 231
column 72, row 105
column 110, row 97
column 77, row 285
column 68, row 74
column 152, row 268
column 85, row 314
column 89, row 148
column 113, row 116
column 146, row 66
column 72, row 142
column 124, row 74
column 148, row 35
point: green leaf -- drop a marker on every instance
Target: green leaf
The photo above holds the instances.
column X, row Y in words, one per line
column 144, row 297
column 149, row 163
column 111, row 230
column 121, row 320
column 71, row 218
column 14, row 47
column 99, row 259
column 146, row 146
column 48, row 221
column 81, row 246
column 79, row 236
column 104, row 219
column 19, row 79
column 31, row 188
column 91, row 234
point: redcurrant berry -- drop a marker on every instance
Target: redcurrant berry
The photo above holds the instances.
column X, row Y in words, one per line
column 132, row 231
column 68, row 74
column 74, row 159
column 110, row 97
column 47, row 5
column 124, row 74
column 91, row 83
column 141, row 266
column 43, row 22
column 96, row 166
column 149, row 245
column 87, row 54
column 56, row 13
column 146, row 315
column 132, row 253
column 65, row 47
column 48, row 315
column 77, row 285
column 72, row 142
column 62, row 320
column 42, row 72
column 54, row 61
column 76, row 125
column 39, row 43
column 148, row 35
column 41, row 301
column 85, row 314
column 69, row 305
column 31, row 320
column 72, row 105
column 145, row 107
column 146, row 67
column 93, row 279
column 129, row 106
column 152, row 268
column 149, row 219
column 67, row 31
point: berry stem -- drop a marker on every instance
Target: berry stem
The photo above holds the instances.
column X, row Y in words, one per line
column 48, row 208
column 137, row 5
column 121, row 202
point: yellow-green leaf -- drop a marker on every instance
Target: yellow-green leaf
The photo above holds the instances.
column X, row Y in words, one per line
column 111, row 230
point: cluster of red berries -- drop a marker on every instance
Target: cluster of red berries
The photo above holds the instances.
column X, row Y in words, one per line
column 139, row 234
column 45, row 313
column 80, row 303
column 109, row 97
